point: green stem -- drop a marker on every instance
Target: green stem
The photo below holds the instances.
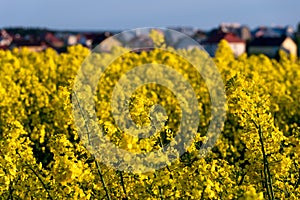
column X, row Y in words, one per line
column 102, row 180
column 97, row 165
column 82, row 114
column 267, row 174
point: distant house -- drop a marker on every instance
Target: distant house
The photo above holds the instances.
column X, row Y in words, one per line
column 72, row 40
column 297, row 37
column 34, row 46
column 5, row 39
column 199, row 36
column 264, row 31
column 190, row 31
column 186, row 43
column 172, row 37
column 97, row 38
column 270, row 46
column 54, row 41
column 140, row 41
column 81, row 39
column 241, row 31
column 107, row 45
column 237, row 45
column 125, row 38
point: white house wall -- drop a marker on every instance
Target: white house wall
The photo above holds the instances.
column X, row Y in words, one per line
column 290, row 45
column 238, row 48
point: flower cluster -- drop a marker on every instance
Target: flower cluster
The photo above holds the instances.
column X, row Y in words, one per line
column 42, row 156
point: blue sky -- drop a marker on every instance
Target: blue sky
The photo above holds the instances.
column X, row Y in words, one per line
column 127, row 14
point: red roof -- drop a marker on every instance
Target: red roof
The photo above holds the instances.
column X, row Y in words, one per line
column 229, row 37
column 50, row 37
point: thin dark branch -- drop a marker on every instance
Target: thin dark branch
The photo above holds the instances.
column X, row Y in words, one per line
column 160, row 189
column 298, row 181
column 242, row 179
column 11, row 189
column 102, row 180
column 36, row 174
column 122, row 183
column 202, row 195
